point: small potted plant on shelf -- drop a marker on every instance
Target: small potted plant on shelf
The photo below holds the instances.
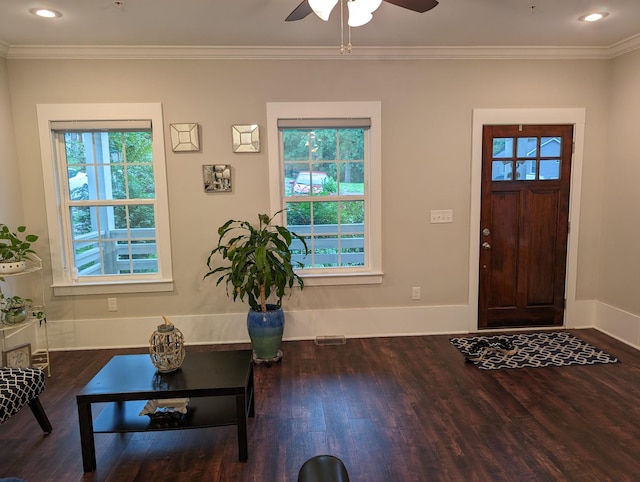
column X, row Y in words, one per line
column 14, row 309
column 261, row 267
column 15, row 248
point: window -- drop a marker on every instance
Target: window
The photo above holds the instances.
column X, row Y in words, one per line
column 105, row 186
column 325, row 177
column 531, row 158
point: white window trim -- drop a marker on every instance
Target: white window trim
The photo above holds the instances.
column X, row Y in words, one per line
column 63, row 285
column 373, row 221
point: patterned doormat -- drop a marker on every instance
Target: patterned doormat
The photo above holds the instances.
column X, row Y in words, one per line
column 555, row 349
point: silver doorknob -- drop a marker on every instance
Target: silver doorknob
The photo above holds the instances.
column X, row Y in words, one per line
column 486, row 232
column 486, row 245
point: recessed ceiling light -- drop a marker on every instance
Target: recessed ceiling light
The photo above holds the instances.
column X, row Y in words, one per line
column 45, row 12
column 593, row 17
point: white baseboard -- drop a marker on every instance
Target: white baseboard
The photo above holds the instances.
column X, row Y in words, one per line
column 619, row 324
column 307, row 324
column 231, row 328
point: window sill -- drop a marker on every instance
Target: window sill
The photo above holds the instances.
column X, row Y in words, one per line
column 112, row 288
column 341, row 279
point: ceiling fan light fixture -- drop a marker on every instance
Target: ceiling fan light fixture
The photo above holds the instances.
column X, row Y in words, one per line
column 322, row 8
column 593, row 16
column 359, row 14
column 371, row 5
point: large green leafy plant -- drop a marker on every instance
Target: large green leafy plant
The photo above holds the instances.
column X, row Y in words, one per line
column 260, row 261
column 15, row 245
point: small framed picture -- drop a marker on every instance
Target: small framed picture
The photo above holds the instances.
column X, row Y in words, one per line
column 17, row 357
column 184, row 138
column 246, row 138
column 217, row 178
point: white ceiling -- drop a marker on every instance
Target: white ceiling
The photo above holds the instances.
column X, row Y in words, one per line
column 252, row 23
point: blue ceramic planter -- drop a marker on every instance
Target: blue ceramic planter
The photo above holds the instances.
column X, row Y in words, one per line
column 265, row 330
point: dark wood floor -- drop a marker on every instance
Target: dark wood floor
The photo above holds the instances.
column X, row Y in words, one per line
column 394, row 409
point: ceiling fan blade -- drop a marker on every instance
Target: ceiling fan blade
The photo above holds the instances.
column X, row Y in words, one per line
column 300, row 12
column 419, row 6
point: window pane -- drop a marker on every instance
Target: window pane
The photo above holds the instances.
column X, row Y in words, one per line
column 351, row 144
column 78, row 183
column 501, row 171
column 527, row 147
column 297, row 144
column 299, row 214
column 550, row 169
column 325, row 213
column 75, row 148
column 351, row 178
column 525, row 170
column 550, row 146
column 503, row 147
column 324, row 144
column 81, row 220
column 140, row 182
column 352, row 212
column 352, row 250
column 87, row 258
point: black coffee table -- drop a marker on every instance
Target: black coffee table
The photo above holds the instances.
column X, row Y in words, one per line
column 219, row 385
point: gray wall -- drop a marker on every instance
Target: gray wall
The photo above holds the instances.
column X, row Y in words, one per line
column 619, row 280
column 10, row 194
column 426, row 106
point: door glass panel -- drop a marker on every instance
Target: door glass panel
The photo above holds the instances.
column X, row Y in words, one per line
column 501, row 171
column 525, row 170
column 550, row 146
column 527, row 146
column 550, row 169
column 503, row 147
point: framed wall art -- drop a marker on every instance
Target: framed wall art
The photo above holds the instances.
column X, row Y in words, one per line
column 217, row 178
column 246, row 138
column 17, row 357
column 185, row 138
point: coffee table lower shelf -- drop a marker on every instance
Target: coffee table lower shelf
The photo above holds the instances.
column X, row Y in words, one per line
column 202, row 412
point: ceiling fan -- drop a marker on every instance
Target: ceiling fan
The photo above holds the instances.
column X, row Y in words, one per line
column 420, row 6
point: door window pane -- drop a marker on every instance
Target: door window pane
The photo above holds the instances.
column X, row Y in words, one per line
column 503, row 147
column 501, row 171
column 550, row 146
column 527, row 146
column 550, row 169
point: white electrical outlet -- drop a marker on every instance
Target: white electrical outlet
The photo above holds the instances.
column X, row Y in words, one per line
column 415, row 293
column 112, row 304
column 441, row 216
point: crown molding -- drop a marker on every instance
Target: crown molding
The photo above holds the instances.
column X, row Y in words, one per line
column 625, row 46
column 116, row 52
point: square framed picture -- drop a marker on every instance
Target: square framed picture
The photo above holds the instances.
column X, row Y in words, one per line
column 185, row 138
column 17, row 357
column 217, row 178
column 246, row 138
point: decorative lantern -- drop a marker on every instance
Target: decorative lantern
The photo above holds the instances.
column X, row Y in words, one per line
column 166, row 347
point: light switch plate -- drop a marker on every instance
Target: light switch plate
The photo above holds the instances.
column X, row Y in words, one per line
column 441, row 216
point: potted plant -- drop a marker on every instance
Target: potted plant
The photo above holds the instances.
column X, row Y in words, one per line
column 260, row 270
column 14, row 309
column 15, row 247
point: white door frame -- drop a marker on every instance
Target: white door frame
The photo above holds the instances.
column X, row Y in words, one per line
column 481, row 117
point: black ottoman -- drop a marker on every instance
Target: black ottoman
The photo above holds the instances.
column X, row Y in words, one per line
column 20, row 387
column 323, row 468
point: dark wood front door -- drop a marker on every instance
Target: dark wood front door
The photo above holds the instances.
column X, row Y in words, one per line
column 524, row 224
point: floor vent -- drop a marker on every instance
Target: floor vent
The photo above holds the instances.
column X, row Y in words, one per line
column 330, row 340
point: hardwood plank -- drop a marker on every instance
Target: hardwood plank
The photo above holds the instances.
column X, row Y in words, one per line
column 401, row 409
